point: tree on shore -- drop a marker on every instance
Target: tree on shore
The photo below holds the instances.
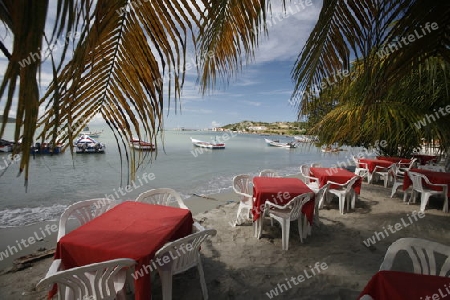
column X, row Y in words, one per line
column 397, row 57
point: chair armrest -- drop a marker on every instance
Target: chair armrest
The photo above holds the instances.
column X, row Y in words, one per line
column 335, row 183
column 269, row 204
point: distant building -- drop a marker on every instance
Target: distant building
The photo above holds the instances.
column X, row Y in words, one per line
column 257, row 128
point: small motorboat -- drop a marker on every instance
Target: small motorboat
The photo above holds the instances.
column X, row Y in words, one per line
column 47, row 148
column 6, row 146
column 329, row 149
column 141, row 145
column 209, row 145
column 92, row 134
column 86, row 144
column 281, row 145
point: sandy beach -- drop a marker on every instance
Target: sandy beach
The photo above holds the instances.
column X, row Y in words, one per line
column 335, row 261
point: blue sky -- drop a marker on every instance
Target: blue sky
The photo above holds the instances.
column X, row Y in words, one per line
column 260, row 92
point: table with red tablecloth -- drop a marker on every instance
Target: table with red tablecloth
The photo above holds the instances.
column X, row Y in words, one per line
column 129, row 230
column 337, row 175
column 394, row 159
column 433, row 176
column 424, row 159
column 372, row 163
column 278, row 190
column 389, row 285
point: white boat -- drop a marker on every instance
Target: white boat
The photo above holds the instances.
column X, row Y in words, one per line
column 209, row 145
column 141, row 145
column 281, row 145
column 6, row 146
column 86, row 144
column 92, row 134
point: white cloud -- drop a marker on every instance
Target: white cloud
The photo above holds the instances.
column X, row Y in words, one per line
column 252, row 103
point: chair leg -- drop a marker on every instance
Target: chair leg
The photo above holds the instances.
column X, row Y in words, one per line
column 166, row 283
column 341, row 204
column 202, row 278
column 238, row 216
column 285, row 229
column 445, row 209
column 424, row 201
column 300, row 228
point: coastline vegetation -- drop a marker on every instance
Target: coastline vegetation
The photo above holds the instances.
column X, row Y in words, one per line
column 280, row 128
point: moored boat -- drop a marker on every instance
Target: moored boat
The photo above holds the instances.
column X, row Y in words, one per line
column 6, row 146
column 281, row 145
column 210, row 145
column 141, row 145
column 86, row 144
column 47, row 148
column 92, row 134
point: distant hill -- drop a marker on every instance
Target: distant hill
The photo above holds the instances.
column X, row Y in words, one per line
column 283, row 128
column 10, row 120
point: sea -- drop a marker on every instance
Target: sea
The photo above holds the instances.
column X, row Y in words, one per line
column 60, row 180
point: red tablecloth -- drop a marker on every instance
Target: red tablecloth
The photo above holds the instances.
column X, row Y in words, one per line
column 390, row 285
column 424, row 159
column 372, row 163
column 395, row 159
column 433, row 176
column 338, row 175
column 129, row 230
column 280, row 191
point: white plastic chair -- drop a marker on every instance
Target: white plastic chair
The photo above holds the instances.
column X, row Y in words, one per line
column 243, row 186
column 416, row 179
column 361, row 169
column 397, row 181
column 83, row 212
column 268, row 173
column 422, row 253
column 161, row 196
column 385, row 174
column 284, row 214
column 319, row 198
column 408, row 166
column 182, row 255
column 104, row 280
column 311, row 182
column 343, row 191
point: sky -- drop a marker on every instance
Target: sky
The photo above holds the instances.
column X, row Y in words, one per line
column 260, row 92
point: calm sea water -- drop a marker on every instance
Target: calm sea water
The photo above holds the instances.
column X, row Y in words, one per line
column 57, row 181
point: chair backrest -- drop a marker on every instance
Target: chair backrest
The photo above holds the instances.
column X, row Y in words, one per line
column 349, row 184
column 304, row 170
column 416, row 179
column 422, row 253
column 95, row 281
column 321, row 193
column 412, row 163
column 161, row 196
column 184, row 253
column 243, row 185
column 295, row 205
column 268, row 173
column 83, row 212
